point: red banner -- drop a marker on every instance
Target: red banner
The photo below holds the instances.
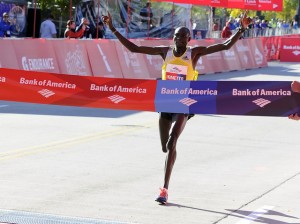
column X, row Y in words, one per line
column 262, row 5
column 108, row 58
column 290, row 50
column 36, row 55
column 245, row 54
column 58, row 89
column 8, row 58
column 237, row 4
column 201, row 2
column 250, row 4
column 218, row 3
column 72, row 57
column 102, row 55
column 269, row 5
column 133, row 65
column 258, row 54
column 271, row 47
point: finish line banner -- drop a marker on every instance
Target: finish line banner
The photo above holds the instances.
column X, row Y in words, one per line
column 253, row 98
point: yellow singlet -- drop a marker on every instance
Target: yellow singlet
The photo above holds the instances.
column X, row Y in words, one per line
column 179, row 68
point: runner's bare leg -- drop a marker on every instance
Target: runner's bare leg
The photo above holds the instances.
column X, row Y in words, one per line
column 164, row 131
column 171, row 146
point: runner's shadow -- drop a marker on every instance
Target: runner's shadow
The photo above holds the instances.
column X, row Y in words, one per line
column 169, row 204
column 263, row 218
column 242, row 214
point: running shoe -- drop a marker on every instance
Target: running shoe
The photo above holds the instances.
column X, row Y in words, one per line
column 163, row 196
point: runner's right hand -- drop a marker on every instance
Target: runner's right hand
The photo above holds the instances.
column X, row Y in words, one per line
column 108, row 21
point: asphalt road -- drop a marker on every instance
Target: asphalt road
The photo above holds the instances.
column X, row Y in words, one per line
column 83, row 165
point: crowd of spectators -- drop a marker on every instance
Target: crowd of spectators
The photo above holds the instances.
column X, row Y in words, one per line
column 260, row 27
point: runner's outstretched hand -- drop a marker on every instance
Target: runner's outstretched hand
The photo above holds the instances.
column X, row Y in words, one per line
column 245, row 21
column 108, row 21
column 295, row 86
column 294, row 117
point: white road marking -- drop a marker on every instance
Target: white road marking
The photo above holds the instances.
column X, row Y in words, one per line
column 255, row 215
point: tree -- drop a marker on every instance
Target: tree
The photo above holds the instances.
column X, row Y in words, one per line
column 59, row 8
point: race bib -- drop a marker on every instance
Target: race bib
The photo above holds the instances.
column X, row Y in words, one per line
column 176, row 72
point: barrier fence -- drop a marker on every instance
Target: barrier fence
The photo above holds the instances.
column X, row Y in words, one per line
column 108, row 58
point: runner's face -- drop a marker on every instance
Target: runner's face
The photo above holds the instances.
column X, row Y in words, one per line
column 181, row 37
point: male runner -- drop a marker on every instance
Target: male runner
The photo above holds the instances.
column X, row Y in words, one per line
column 187, row 58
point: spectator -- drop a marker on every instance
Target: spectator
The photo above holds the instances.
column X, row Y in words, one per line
column 48, row 29
column 264, row 26
column 232, row 24
column 272, row 26
column 146, row 14
column 215, row 26
column 279, row 28
column 257, row 28
column 198, row 35
column 100, row 31
column 226, row 32
column 87, row 32
column 295, row 26
column 285, row 27
column 70, row 30
column 5, row 26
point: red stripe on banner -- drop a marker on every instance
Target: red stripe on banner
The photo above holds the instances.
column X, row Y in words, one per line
column 69, row 90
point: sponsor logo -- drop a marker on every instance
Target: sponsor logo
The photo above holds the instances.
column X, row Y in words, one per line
column 2, row 79
column 116, row 98
column 37, row 64
column 251, row 1
column 296, row 53
column 291, row 47
column 275, row 6
column 46, row 93
column 261, row 102
column 176, row 76
column 75, row 62
column 175, row 69
column 188, row 101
